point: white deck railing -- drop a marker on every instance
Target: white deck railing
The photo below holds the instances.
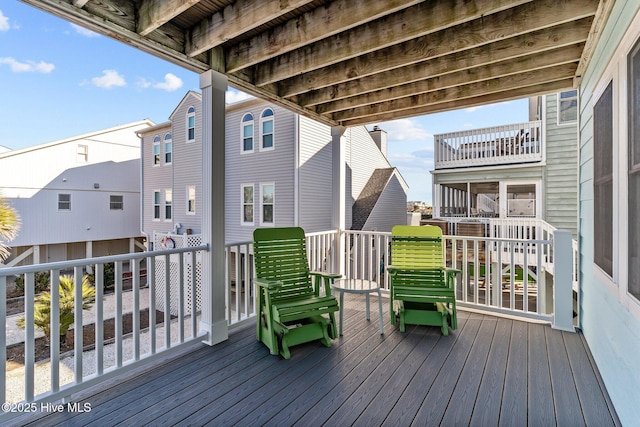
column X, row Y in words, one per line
column 498, row 145
column 509, row 276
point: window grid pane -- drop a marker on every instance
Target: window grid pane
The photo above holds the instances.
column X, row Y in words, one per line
column 116, row 203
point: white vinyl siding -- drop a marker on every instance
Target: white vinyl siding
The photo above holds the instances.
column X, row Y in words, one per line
column 82, row 155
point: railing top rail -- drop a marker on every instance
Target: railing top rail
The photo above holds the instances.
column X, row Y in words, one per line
column 320, row 233
column 370, row 233
column 514, row 127
column 61, row 265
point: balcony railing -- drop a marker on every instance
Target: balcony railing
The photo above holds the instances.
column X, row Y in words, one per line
column 505, row 275
column 517, row 143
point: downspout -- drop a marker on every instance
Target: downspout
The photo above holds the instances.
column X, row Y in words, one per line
column 142, row 193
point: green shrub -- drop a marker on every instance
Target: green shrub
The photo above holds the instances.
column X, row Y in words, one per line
column 41, row 282
column 42, row 305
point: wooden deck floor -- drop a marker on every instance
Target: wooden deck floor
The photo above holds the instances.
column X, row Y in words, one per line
column 491, row 371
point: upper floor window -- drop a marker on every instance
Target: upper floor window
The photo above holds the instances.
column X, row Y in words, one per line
column 247, row 204
column 82, row 154
column 168, row 149
column 568, row 107
column 156, row 205
column 168, row 199
column 191, row 200
column 247, row 133
column 156, row 150
column 266, row 129
column 268, row 203
column 116, row 202
column 64, row 202
column 191, row 124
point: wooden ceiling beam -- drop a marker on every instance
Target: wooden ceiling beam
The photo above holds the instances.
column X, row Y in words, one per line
column 511, row 82
column 537, row 42
column 400, row 24
column 458, row 78
column 348, row 47
column 152, row 14
column 235, row 19
column 520, row 92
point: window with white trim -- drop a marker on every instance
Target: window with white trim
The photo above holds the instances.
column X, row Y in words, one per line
column 191, row 124
column 266, row 130
column 156, row 150
column 247, row 133
column 247, row 204
column 568, row 107
column 267, row 191
column 64, row 202
column 116, row 202
column 168, row 149
column 156, row 205
column 633, row 183
column 191, row 200
column 168, row 200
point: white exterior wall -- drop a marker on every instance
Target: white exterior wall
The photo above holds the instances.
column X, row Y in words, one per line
column 610, row 317
column 33, row 177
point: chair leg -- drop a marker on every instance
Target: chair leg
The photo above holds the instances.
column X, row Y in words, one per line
column 284, row 348
column 445, row 324
column 333, row 333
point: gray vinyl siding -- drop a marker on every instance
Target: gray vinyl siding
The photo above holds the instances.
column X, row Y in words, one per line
column 276, row 166
column 390, row 209
column 315, row 176
column 561, row 172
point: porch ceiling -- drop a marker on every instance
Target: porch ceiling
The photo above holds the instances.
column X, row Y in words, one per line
column 348, row 62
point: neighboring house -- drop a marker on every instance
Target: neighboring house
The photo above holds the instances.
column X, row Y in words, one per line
column 519, row 171
column 609, row 207
column 278, row 173
column 77, row 197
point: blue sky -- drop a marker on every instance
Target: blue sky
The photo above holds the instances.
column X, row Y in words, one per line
column 58, row 80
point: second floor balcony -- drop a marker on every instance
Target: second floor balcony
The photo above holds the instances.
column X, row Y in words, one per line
column 499, row 145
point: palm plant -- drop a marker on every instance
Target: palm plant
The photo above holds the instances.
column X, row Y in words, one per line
column 9, row 225
column 42, row 306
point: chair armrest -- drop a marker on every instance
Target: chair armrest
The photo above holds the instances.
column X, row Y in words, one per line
column 327, row 279
column 269, row 285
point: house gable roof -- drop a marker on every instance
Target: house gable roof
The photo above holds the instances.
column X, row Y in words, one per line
column 369, row 197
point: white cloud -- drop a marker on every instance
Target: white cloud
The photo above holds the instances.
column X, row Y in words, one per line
column 232, row 96
column 83, row 31
column 28, row 66
column 405, row 130
column 171, row 82
column 109, row 79
column 4, row 22
column 143, row 83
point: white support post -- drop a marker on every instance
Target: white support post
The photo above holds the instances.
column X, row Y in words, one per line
column 563, row 289
column 89, row 254
column 339, row 192
column 213, row 321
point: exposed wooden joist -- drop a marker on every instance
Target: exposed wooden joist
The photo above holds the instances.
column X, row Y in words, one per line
column 79, row 3
column 520, row 92
column 317, row 24
column 153, row 14
column 602, row 14
column 533, row 43
column 508, row 23
column 235, row 19
column 511, row 82
column 459, row 78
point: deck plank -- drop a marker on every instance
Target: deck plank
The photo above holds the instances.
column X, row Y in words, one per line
column 490, row 371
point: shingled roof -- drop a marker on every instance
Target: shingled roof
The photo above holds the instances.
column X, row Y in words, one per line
column 369, row 197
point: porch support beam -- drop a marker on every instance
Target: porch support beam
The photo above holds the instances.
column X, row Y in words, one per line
column 339, row 168
column 213, row 86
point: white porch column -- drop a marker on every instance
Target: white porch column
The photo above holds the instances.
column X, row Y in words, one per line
column 563, row 281
column 89, row 254
column 214, row 86
column 339, row 191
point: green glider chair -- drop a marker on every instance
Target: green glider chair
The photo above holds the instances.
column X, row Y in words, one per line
column 422, row 288
column 291, row 308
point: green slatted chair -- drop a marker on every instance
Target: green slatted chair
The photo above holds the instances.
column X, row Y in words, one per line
column 291, row 308
column 422, row 288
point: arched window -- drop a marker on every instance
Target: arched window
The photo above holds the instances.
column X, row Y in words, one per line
column 266, row 129
column 156, row 150
column 168, row 149
column 247, row 133
column 191, row 124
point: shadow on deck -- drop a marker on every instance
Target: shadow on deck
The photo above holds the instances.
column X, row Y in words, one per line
column 491, row 371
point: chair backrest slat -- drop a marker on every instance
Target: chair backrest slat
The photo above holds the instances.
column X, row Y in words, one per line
column 417, row 247
column 281, row 254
